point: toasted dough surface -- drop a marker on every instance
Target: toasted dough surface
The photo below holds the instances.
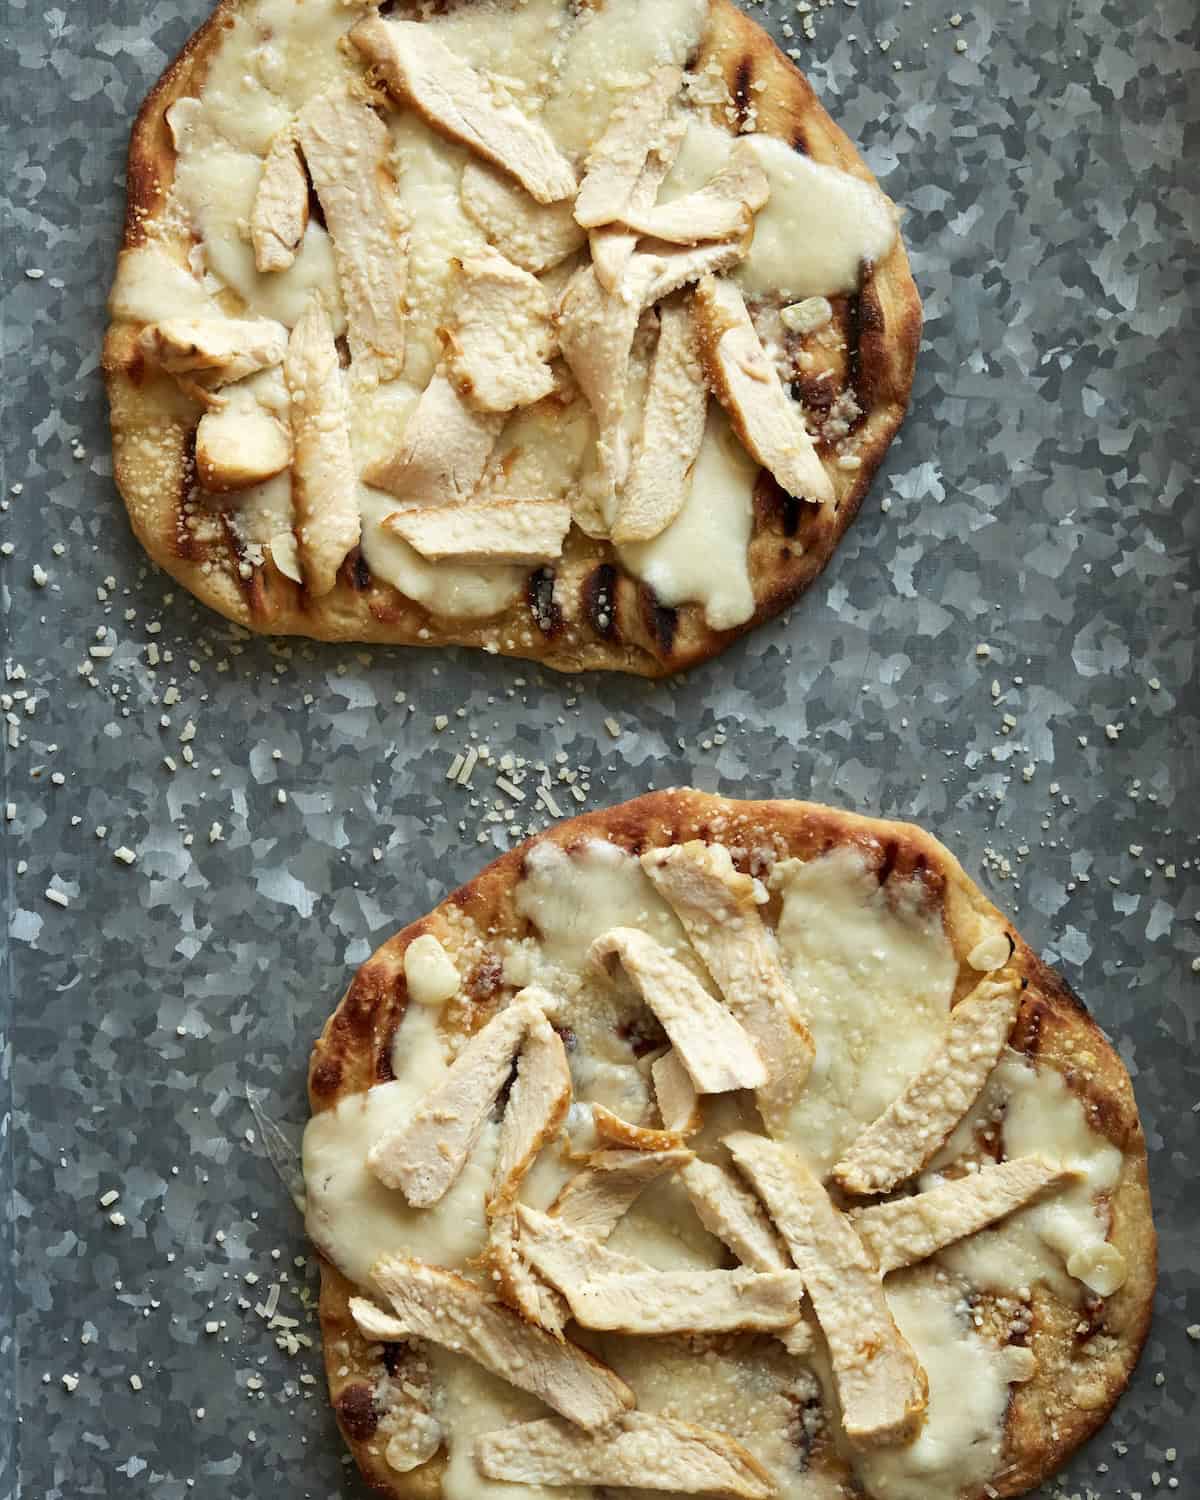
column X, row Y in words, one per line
column 1076, row 1377
column 588, row 610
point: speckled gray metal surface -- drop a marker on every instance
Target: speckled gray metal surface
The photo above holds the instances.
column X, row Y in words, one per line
column 1040, row 504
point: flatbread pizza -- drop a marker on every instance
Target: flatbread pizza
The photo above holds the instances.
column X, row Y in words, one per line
column 722, row 1148
column 570, row 331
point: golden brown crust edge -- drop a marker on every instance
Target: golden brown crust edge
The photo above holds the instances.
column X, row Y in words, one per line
column 613, row 622
column 1083, row 1365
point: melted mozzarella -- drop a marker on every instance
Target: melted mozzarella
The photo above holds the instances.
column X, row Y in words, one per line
column 351, row 1215
column 472, row 1402
column 612, row 52
column 457, row 590
column 1040, row 1115
column 429, row 171
column 874, row 975
column 273, row 57
column 572, row 898
column 516, row 43
column 959, row 1445
column 215, row 183
column 817, row 228
column 703, row 555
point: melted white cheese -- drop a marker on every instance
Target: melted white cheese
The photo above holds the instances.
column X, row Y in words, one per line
column 517, row 44
column 458, row 590
column 215, row 183
column 817, row 228
column 1040, row 1115
column 874, row 976
column 264, row 511
column 572, row 898
column 273, row 57
column 703, row 556
column 663, row 1230
column 351, row 1215
column 429, row 971
column 541, row 451
column 470, row 1403
column 754, row 1393
column 429, row 172
column 612, row 52
column 959, row 1445
column 151, row 286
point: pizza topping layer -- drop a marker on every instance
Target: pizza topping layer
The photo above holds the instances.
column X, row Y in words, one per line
column 607, row 1290
column 641, row 1452
column 327, row 518
column 509, row 193
column 718, row 907
column 912, row 1128
column 444, row 451
column 749, row 388
column 511, row 531
column 881, row 1388
column 347, row 151
column 715, row 1051
column 675, row 1096
column 214, row 351
column 731, row 1211
column 577, row 1250
column 240, row 445
column 441, row 1307
column 535, row 236
column 420, row 70
column 674, row 414
column 722, row 209
column 499, row 337
column 594, row 1201
column 426, row 1156
column 280, row 213
column 909, row 1230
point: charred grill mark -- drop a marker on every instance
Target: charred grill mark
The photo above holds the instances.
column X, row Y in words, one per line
column 741, row 89
column 547, row 615
column 774, row 508
column 357, row 1413
column 384, row 1072
column 799, row 141
column 356, row 572
column 600, row 600
column 864, row 331
column 660, row 622
column 888, row 862
column 1027, row 1033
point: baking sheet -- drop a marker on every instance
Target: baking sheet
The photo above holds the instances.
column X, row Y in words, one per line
column 1003, row 649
